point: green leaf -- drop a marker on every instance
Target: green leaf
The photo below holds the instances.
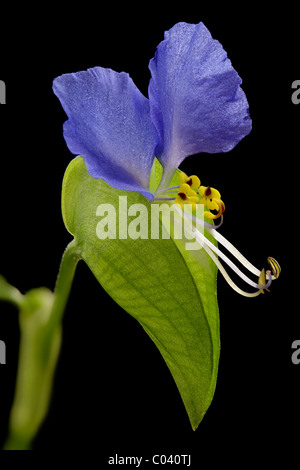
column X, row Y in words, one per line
column 169, row 290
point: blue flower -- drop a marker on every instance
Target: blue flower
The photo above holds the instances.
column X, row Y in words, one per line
column 195, row 105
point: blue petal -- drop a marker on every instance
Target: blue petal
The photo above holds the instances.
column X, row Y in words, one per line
column 109, row 126
column 196, row 102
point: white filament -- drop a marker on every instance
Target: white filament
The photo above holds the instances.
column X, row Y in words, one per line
column 228, row 278
column 210, row 247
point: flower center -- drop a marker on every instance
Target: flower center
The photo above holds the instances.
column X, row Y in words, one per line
column 191, row 192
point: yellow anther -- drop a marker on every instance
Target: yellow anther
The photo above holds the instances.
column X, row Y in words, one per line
column 262, row 280
column 220, row 207
column 179, row 202
column 193, row 181
column 208, row 194
column 186, row 189
column 186, row 196
column 275, row 267
column 275, row 271
column 183, row 177
column 211, row 198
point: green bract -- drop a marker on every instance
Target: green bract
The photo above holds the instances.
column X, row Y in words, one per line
column 38, row 354
column 157, row 281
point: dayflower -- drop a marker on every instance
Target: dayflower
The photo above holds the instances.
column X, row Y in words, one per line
column 195, row 105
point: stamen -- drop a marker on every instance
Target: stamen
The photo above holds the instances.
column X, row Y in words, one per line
column 275, row 267
column 209, row 193
column 200, row 238
column 211, row 198
column 230, row 281
column 221, row 209
column 262, row 278
column 193, row 181
column 241, row 258
column 214, row 252
column 187, row 194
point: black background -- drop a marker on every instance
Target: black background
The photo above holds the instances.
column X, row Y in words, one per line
column 113, row 393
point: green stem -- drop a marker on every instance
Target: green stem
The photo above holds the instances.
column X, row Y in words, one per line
column 40, row 319
column 64, row 282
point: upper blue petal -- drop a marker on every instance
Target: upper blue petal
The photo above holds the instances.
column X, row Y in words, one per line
column 109, row 126
column 196, row 102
